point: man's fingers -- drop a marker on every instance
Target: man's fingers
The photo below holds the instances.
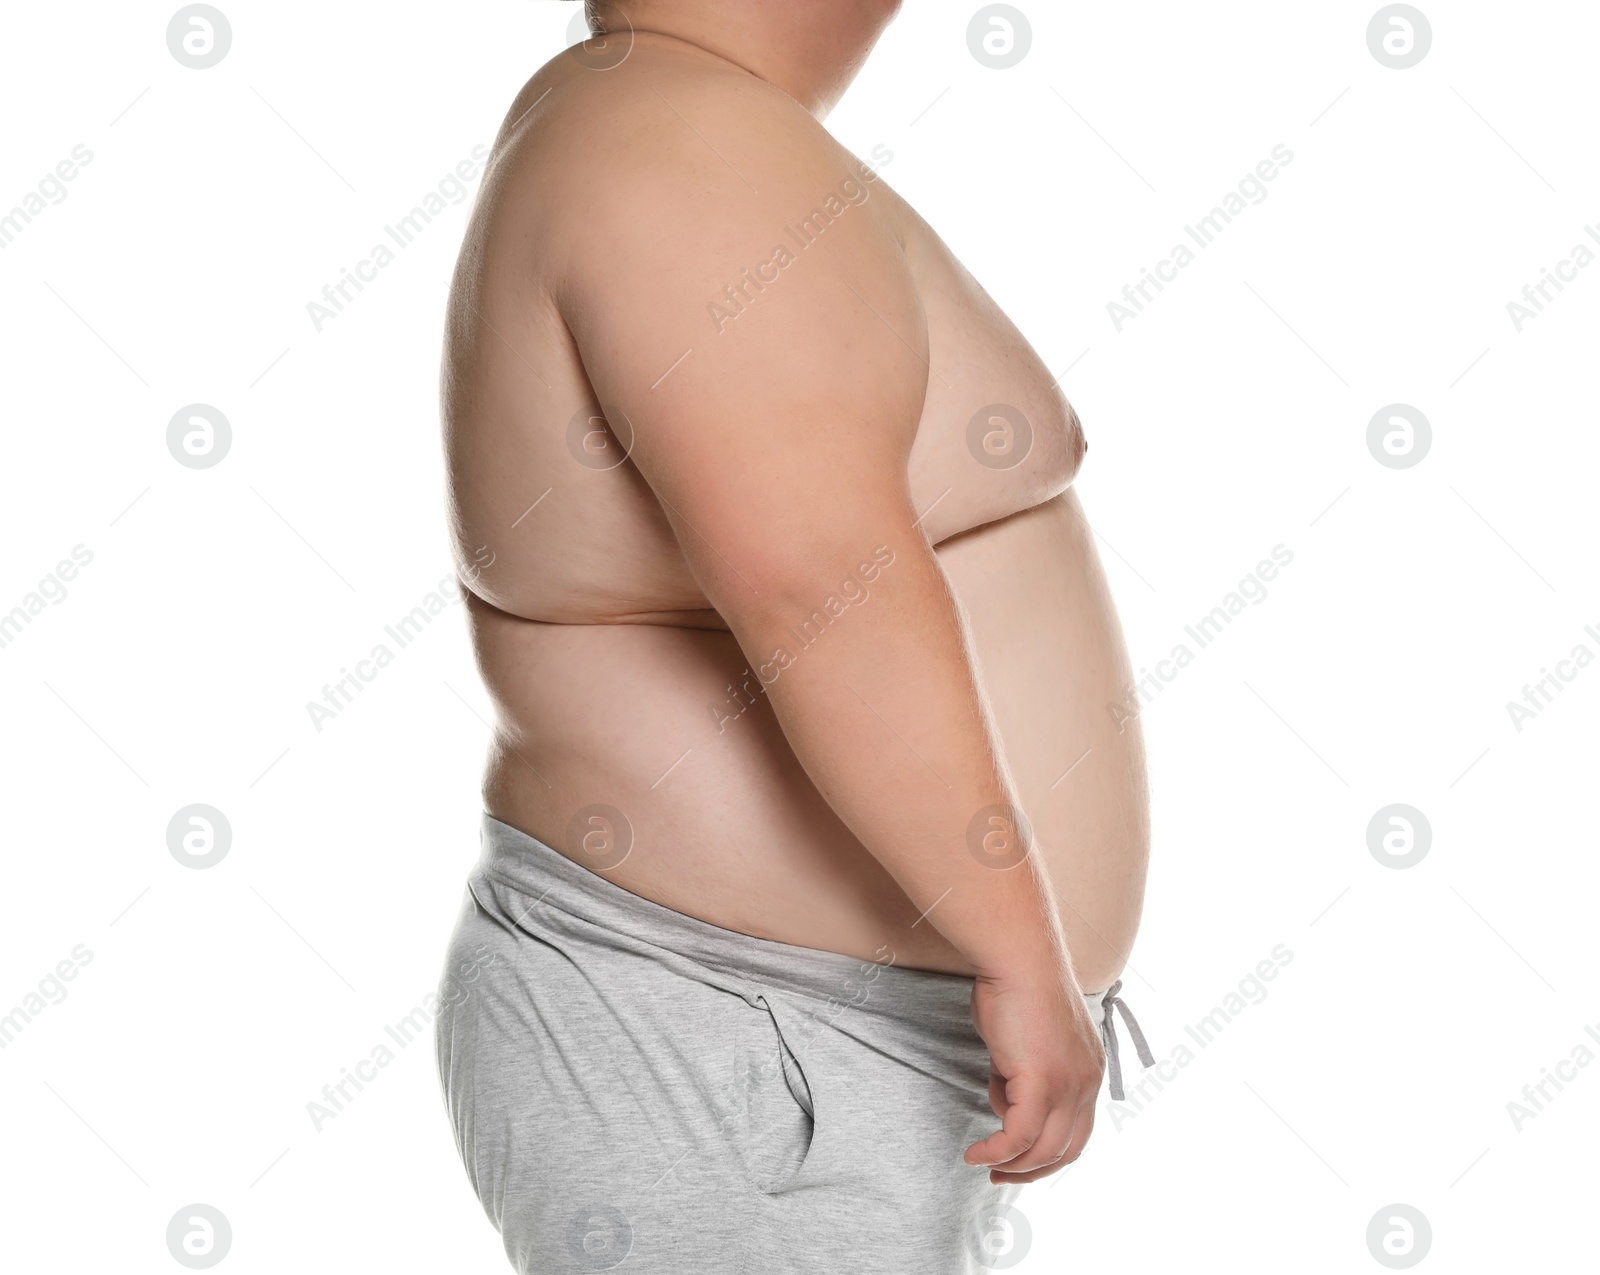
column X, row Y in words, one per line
column 1033, row 1175
column 1051, row 1144
column 1082, row 1125
column 1023, row 1123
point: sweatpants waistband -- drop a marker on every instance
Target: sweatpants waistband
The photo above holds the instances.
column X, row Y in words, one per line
column 534, row 869
column 610, row 914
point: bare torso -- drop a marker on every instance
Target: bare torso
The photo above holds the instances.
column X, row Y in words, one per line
column 617, row 685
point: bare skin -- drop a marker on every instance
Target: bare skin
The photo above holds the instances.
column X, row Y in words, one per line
column 778, row 614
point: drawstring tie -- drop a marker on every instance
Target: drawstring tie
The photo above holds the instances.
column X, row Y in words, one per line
column 1108, row 1037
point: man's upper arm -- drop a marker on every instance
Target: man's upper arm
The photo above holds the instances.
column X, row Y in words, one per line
column 761, row 333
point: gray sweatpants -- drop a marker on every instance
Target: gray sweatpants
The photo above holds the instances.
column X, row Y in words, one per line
column 632, row 1087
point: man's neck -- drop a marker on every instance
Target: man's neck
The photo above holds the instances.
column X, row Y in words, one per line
column 810, row 50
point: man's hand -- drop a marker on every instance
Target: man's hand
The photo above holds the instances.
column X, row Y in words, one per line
column 1046, row 1061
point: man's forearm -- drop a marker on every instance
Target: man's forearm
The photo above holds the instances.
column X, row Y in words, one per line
column 878, row 699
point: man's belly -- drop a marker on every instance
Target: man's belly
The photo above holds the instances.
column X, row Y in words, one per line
column 655, row 741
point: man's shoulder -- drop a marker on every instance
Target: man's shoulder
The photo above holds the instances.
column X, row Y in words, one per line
column 668, row 202
column 663, row 145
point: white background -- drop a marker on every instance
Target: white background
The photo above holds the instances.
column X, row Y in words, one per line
column 1229, row 417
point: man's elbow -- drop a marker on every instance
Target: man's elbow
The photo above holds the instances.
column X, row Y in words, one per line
column 807, row 589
